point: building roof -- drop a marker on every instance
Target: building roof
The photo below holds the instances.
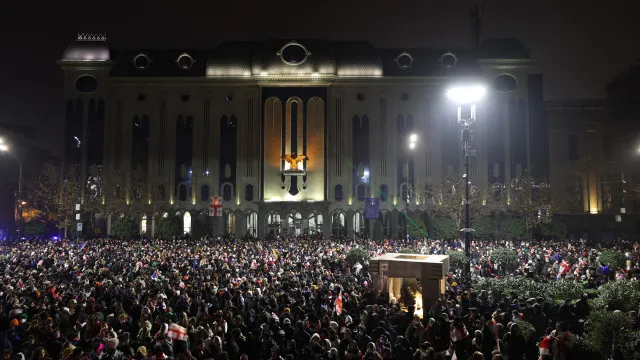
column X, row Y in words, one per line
column 87, row 47
column 291, row 58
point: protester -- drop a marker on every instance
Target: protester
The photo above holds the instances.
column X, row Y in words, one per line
column 280, row 298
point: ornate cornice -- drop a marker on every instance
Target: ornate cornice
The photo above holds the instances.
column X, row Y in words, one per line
column 85, row 65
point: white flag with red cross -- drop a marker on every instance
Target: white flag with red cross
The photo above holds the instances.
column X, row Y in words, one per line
column 215, row 208
column 177, row 332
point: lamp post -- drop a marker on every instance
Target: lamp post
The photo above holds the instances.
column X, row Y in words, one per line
column 18, row 202
column 412, row 141
column 466, row 97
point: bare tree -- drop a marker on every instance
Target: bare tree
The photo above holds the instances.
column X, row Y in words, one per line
column 447, row 199
column 56, row 196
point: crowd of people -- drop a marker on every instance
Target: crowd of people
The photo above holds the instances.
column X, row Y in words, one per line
column 276, row 299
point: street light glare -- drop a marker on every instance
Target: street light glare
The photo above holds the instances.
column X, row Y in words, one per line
column 466, row 94
column 412, row 145
column 413, row 138
column 4, row 147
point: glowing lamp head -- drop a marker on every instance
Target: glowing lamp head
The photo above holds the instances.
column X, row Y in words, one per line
column 413, row 138
column 4, row 147
column 466, row 94
column 412, row 145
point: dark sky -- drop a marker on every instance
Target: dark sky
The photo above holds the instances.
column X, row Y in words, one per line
column 580, row 47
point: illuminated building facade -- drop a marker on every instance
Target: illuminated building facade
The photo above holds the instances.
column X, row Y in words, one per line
column 198, row 124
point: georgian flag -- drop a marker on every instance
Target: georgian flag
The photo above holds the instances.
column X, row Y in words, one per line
column 177, row 332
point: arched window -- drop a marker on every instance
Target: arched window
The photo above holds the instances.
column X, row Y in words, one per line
column 248, row 192
column 405, row 190
column 274, row 223
column 359, row 224
column 182, row 192
column 316, row 222
column 338, row 193
column 252, row 224
column 384, row 193
column 227, row 192
column 338, row 224
column 294, row 222
column 161, row 193
column 361, row 192
column 143, row 225
column 186, row 221
column 204, row 193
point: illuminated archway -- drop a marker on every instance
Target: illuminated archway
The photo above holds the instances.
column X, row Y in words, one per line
column 143, row 225
column 316, row 222
column 186, row 222
column 294, row 222
column 252, row 224
column 338, row 224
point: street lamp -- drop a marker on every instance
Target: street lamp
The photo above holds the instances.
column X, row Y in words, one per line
column 413, row 142
column 466, row 98
column 18, row 198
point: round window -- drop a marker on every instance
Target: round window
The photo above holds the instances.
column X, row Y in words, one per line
column 294, row 53
column 448, row 60
column 505, row 83
column 185, row 61
column 141, row 62
column 86, row 84
column 404, row 60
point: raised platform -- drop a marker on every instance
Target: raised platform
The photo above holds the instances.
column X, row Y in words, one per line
column 389, row 270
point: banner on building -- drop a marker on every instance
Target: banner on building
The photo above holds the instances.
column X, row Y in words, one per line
column 372, row 208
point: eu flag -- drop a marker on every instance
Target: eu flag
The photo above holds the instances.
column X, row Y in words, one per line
column 372, row 208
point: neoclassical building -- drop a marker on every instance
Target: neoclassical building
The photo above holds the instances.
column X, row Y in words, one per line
column 198, row 124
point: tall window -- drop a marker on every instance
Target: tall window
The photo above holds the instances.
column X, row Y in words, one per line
column 186, row 222
column 338, row 193
column 143, row 225
column 359, row 226
column 227, row 192
column 361, row 192
column 252, row 224
column 182, row 192
column 248, row 193
column 384, row 193
column 315, row 223
column 574, row 154
column 338, row 224
column 274, row 223
column 204, row 193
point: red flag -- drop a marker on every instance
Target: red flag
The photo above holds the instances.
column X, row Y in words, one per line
column 339, row 304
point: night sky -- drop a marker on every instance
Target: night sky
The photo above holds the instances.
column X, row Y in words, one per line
column 580, row 47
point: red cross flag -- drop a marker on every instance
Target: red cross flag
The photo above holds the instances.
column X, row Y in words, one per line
column 177, row 332
column 215, row 208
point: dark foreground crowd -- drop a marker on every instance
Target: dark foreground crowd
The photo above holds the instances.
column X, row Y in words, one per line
column 273, row 299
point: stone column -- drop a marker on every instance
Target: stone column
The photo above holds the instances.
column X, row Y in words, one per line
column 348, row 223
column 241, row 223
column 153, row 226
column 432, row 284
column 326, row 224
column 108, row 224
column 393, row 224
column 262, row 224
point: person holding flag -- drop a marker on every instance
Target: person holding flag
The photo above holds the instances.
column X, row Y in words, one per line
column 338, row 306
